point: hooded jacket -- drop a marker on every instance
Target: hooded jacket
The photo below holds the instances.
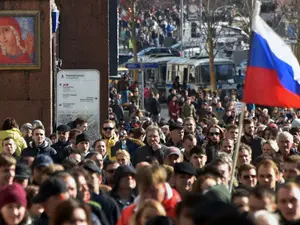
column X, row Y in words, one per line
column 17, row 136
column 121, row 172
column 171, row 200
column 33, row 150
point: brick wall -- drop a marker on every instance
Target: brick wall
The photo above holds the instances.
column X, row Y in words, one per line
column 27, row 95
column 83, row 40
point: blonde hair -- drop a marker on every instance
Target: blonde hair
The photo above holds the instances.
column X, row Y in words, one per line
column 123, row 152
column 148, row 176
column 169, row 170
column 268, row 163
column 273, row 145
column 149, row 203
column 18, row 39
column 52, row 169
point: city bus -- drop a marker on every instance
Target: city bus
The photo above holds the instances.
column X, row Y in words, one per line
column 195, row 72
column 153, row 70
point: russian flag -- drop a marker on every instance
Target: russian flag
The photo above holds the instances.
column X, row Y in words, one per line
column 273, row 72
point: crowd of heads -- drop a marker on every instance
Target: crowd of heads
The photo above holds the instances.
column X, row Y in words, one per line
column 151, row 170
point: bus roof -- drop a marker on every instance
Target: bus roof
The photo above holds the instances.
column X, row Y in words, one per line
column 155, row 59
column 197, row 62
column 160, row 59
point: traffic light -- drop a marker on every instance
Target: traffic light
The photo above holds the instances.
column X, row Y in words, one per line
column 194, row 30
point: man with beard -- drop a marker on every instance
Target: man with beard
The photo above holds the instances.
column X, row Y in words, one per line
column 250, row 139
column 215, row 135
column 63, row 132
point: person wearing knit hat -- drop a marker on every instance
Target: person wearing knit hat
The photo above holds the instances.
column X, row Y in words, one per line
column 13, row 205
column 23, row 174
column 83, row 143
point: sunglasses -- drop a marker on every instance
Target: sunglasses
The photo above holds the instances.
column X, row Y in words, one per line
column 108, row 128
column 247, row 177
column 214, row 133
column 110, row 171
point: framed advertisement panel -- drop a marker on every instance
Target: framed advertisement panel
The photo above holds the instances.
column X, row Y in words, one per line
column 78, row 95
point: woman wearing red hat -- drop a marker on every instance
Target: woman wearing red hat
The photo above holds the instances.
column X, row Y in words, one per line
column 13, row 205
column 13, row 49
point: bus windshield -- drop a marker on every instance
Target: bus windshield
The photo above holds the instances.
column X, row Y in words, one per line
column 223, row 72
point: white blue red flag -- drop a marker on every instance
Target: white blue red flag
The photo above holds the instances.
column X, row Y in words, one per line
column 273, row 73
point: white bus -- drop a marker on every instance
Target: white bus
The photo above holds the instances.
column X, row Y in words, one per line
column 195, row 72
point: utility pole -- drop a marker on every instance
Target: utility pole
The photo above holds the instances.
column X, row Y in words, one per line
column 182, row 22
column 133, row 37
column 210, row 47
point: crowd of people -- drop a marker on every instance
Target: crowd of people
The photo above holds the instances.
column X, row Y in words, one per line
column 148, row 170
column 154, row 27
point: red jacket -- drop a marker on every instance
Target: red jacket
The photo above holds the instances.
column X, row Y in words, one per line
column 169, row 204
column 174, row 110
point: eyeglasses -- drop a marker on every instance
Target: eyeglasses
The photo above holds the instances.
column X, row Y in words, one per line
column 108, row 128
column 214, row 133
column 110, row 171
column 247, row 177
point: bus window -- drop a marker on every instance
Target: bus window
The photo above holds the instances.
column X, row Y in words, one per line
column 205, row 74
column 185, row 75
column 192, row 77
column 169, row 78
column 162, row 74
column 198, row 75
column 224, row 72
column 174, row 72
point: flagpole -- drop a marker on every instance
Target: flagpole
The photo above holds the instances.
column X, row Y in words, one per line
column 237, row 147
column 256, row 4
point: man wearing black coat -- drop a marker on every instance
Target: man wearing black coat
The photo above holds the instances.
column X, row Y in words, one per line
column 153, row 147
column 39, row 145
column 63, row 132
column 154, row 107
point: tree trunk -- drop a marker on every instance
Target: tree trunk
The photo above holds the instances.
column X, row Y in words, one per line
column 211, row 58
column 297, row 48
column 133, row 40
